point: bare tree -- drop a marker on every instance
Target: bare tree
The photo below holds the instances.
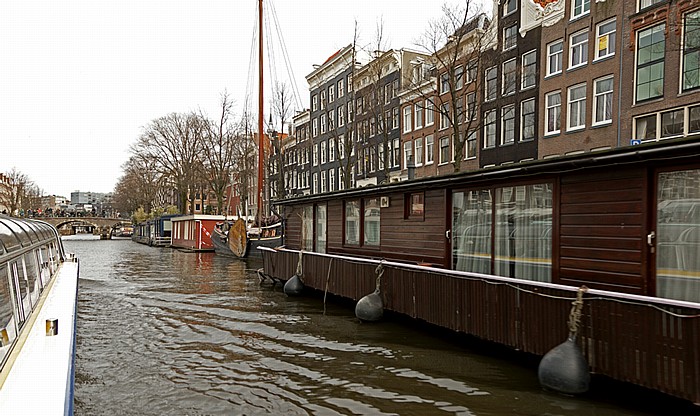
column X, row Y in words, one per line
column 140, row 186
column 379, row 86
column 456, row 41
column 346, row 142
column 282, row 102
column 218, row 152
column 16, row 193
column 172, row 145
column 245, row 161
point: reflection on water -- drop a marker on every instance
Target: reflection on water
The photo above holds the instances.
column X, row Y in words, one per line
column 165, row 332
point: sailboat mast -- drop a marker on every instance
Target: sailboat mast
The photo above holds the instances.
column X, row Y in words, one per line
column 261, row 148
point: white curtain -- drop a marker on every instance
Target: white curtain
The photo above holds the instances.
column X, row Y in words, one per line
column 678, row 235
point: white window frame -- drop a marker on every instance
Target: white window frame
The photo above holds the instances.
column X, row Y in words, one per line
column 429, row 113
column 549, row 108
column 331, row 93
column 407, row 118
column 331, row 150
column 558, row 57
column 581, row 46
column 443, row 140
column 510, row 7
column 488, row 79
column 489, row 129
column 418, row 146
column 690, row 77
column 341, row 116
column 505, row 141
column 324, row 152
column 429, row 149
column 576, row 107
column 407, row 152
column 533, row 114
column 459, row 77
column 512, row 80
column 602, row 95
column 662, row 62
column 507, row 45
column 444, row 116
column 418, row 116
column 471, row 137
column 341, row 88
column 524, row 67
column 581, row 9
column 607, row 38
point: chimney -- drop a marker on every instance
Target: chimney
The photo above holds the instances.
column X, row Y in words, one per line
column 411, row 167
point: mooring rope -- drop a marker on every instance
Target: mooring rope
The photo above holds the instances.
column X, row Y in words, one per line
column 380, row 271
column 299, row 268
column 575, row 314
column 328, row 279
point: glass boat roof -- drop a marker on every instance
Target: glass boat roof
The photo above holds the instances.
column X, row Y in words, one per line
column 16, row 233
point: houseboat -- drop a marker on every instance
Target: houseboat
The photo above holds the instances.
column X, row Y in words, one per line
column 155, row 232
column 143, row 231
column 502, row 252
column 38, row 299
column 193, row 232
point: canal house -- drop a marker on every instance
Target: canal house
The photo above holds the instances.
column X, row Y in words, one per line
column 193, row 232
column 501, row 253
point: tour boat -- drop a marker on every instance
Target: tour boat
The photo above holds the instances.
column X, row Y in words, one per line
column 38, row 298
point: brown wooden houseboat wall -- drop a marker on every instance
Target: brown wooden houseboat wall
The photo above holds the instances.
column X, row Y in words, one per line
column 602, row 228
column 603, row 210
column 631, row 340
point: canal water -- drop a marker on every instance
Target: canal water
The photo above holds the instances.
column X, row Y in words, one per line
column 163, row 332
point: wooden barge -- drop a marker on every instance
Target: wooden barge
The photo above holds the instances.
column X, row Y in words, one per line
column 501, row 253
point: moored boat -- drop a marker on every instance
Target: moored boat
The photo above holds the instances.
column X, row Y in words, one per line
column 234, row 239
column 38, row 299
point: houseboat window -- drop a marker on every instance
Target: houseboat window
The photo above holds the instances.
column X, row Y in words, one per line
column 678, row 235
column 372, row 222
column 307, row 228
column 414, row 209
column 522, row 230
column 471, row 230
column 352, row 222
column 321, row 228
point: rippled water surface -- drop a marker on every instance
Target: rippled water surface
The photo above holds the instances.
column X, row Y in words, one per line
column 162, row 332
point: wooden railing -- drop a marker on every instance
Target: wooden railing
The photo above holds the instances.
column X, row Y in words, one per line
column 647, row 341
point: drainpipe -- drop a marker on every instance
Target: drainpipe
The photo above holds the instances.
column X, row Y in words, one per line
column 619, row 89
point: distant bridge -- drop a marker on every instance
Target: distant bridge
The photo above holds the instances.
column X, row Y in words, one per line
column 104, row 225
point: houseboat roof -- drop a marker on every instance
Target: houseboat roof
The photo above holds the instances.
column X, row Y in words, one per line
column 199, row 217
column 668, row 149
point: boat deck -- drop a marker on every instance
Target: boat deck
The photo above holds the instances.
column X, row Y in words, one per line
column 38, row 359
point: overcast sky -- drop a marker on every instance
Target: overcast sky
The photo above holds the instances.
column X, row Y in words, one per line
column 79, row 79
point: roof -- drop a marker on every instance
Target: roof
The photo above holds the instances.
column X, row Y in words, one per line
column 330, row 58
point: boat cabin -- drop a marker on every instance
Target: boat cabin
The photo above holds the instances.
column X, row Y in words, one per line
column 625, row 220
column 193, row 232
